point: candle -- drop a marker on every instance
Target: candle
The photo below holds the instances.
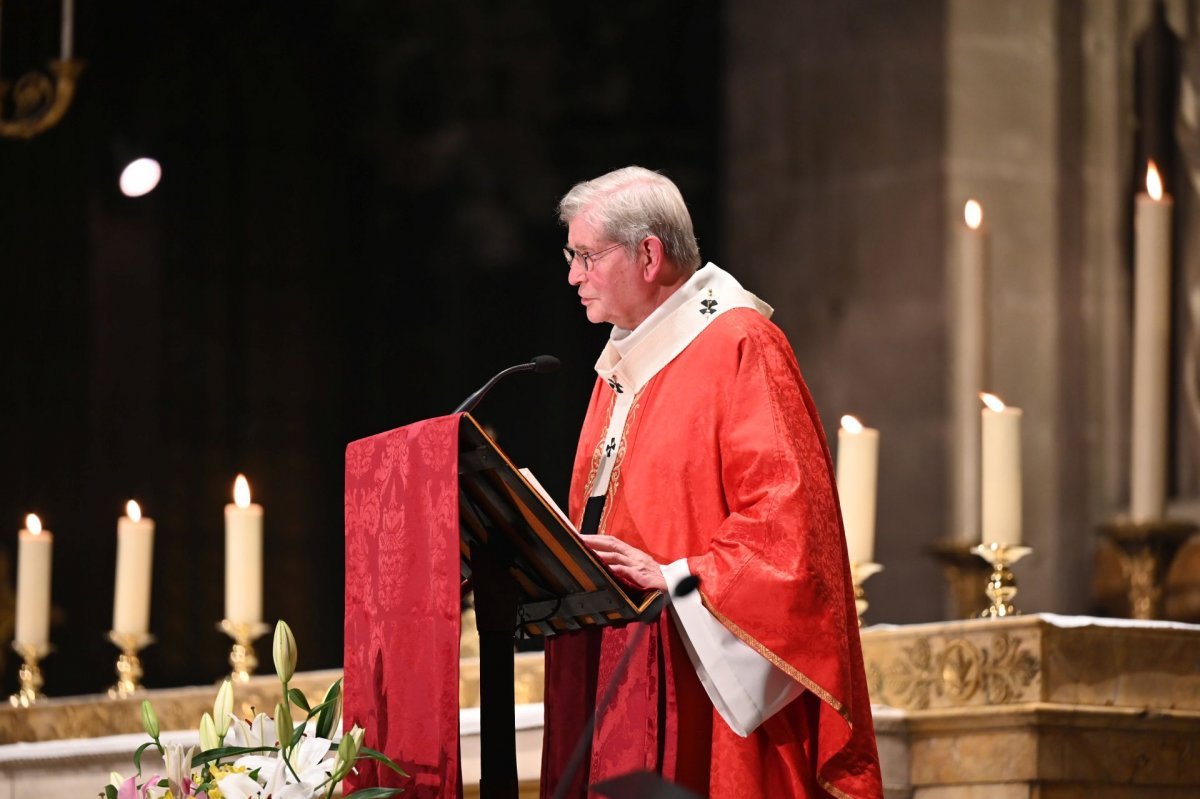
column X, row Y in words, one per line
column 135, row 558
column 1151, row 346
column 34, row 550
column 857, row 473
column 968, row 348
column 1001, row 472
column 68, row 28
column 243, row 556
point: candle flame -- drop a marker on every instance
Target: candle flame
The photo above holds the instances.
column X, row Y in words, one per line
column 1154, row 186
column 33, row 524
column 241, row 492
column 133, row 511
column 992, row 401
column 851, row 425
column 973, row 214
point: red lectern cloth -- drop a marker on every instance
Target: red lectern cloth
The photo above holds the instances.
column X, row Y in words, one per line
column 403, row 605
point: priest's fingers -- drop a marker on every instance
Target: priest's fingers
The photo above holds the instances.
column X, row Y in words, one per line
column 627, row 562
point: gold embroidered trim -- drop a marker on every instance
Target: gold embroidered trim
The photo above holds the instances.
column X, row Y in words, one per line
column 828, row 786
column 595, row 468
column 614, row 479
column 778, row 662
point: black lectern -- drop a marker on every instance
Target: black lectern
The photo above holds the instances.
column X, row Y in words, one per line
column 531, row 575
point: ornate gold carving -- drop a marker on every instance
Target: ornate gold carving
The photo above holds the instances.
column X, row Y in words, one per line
column 956, row 672
column 38, row 102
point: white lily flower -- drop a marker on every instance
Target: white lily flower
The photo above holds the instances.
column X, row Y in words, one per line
column 260, row 732
column 277, row 786
column 239, row 786
column 308, row 760
column 179, row 767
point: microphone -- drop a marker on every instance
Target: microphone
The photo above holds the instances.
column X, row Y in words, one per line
column 684, row 587
column 542, row 364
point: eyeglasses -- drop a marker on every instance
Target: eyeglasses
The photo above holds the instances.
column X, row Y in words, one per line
column 586, row 258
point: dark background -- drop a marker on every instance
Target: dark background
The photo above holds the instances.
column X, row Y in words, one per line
column 354, row 229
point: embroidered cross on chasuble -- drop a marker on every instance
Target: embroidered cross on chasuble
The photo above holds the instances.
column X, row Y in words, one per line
column 711, row 458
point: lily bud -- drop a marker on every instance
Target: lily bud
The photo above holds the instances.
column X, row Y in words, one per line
column 283, row 725
column 347, row 751
column 149, row 719
column 208, row 734
column 284, row 651
column 222, row 708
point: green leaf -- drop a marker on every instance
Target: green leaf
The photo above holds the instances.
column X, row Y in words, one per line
column 325, row 721
column 299, row 699
column 375, row 793
column 164, row 783
column 367, row 751
column 254, row 774
column 137, row 755
column 110, row 792
column 229, row 751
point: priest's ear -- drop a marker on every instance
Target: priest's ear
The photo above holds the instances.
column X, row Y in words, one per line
column 653, row 261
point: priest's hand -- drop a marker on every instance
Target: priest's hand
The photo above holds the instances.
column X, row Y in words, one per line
column 627, row 562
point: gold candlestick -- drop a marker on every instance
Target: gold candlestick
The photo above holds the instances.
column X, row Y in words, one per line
column 1001, row 585
column 1147, row 550
column 241, row 655
column 859, row 572
column 30, row 674
column 129, row 665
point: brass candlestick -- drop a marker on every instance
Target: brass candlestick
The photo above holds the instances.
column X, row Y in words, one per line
column 30, row 674
column 1147, row 550
column 129, row 665
column 1001, row 585
column 859, row 572
column 241, row 656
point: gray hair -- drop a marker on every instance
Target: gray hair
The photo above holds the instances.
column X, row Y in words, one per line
column 632, row 203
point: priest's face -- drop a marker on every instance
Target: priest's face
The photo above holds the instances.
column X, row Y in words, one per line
column 613, row 289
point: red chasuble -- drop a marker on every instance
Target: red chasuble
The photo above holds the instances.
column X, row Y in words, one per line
column 723, row 462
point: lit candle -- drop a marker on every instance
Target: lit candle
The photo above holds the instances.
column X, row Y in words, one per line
column 135, row 558
column 1151, row 346
column 857, row 473
column 35, row 548
column 968, row 349
column 243, row 556
column 68, row 28
column 1001, row 472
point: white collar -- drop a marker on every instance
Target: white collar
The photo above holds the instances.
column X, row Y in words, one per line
column 632, row 357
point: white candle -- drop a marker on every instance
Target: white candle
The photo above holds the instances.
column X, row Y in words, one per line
column 857, row 474
column 68, row 28
column 968, row 342
column 135, row 559
column 243, row 556
column 1001, row 472
column 35, row 548
column 1151, row 346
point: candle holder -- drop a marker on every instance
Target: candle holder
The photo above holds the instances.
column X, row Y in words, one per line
column 1001, row 585
column 859, row 572
column 241, row 655
column 963, row 571
column 129, row 665
column 30, row 674
column 1146, row 551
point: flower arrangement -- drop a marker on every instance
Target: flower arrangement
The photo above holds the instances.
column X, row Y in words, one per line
column 261, row 758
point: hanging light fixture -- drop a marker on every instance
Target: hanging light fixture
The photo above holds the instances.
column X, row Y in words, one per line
column 40, row 100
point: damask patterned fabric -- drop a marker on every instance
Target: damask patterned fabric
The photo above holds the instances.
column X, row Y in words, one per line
column 723, row 462
column 403, row 605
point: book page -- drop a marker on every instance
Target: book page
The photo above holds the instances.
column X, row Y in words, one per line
column 533, row 481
